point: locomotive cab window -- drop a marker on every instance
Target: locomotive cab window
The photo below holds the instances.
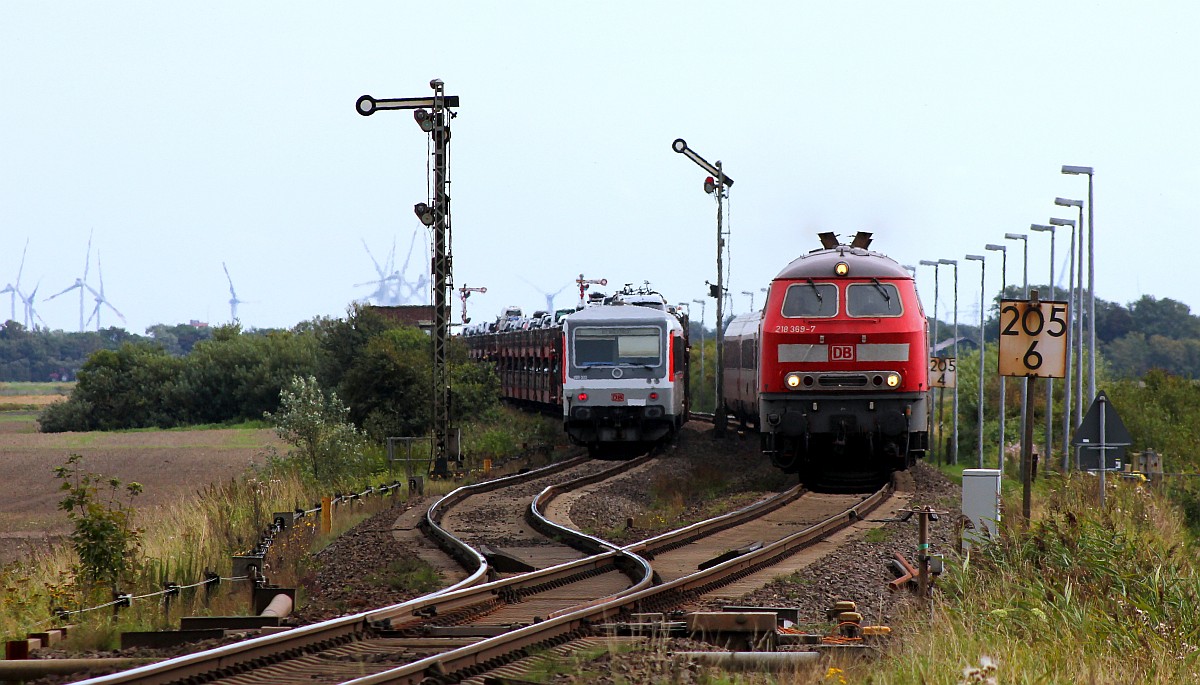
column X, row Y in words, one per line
column 873, row 299
column 810, row 300
column 618, row 347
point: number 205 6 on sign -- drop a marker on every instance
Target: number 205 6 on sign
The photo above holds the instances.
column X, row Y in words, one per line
column 1033, row 338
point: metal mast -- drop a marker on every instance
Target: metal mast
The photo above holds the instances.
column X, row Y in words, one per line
column 433, row 115
column 720, row 184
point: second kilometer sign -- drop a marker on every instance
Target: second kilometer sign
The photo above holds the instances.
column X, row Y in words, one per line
column 1033, row 338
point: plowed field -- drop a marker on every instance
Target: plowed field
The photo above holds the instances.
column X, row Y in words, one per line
column 170, row 464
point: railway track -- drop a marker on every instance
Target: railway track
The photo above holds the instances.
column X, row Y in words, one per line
column 491, row 617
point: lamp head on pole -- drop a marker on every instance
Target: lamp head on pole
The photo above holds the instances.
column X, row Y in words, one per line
column 975, row 257
column 1042, row 228
column 929, row 262
column 1016, row 236
column 997, row 248
column 1077, row 170
column 953, row 262
column 1064, row 202
column 1055, row 221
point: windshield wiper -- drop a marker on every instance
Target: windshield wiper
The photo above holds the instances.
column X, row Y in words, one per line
column 816, row 291
column 883, row 291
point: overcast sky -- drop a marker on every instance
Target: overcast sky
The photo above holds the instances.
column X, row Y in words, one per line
column 186, row 135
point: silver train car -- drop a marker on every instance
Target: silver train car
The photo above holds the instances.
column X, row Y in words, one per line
column 624, row 375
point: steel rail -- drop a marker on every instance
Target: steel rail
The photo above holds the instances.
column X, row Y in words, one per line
column 493, row 652
column 490, row 653
column 319, row 636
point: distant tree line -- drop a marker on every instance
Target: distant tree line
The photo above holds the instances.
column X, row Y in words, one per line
column 383, row 372
column 43, row 356
column 1133, row 339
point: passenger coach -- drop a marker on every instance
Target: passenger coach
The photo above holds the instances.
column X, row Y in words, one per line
column 624, row 375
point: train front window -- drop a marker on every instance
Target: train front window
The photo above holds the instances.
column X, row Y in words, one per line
column 873, row 299
column 618, row 347
column 810, row 300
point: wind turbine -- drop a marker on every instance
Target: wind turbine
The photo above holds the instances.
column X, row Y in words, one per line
column 233, row 300
column 384, row 293
column 30, row 313
column 99, row 296
column 417, row 291
column 15, row 289
column 80, row 283
column 549, row 296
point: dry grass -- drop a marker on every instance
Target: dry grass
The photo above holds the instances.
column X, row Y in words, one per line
column 172, row 465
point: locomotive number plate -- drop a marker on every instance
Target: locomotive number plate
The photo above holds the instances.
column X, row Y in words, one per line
column 1033, row 339
column 618, row 397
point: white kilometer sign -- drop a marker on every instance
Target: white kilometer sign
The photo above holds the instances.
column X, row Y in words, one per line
column 943, row 372
column 1033, row 338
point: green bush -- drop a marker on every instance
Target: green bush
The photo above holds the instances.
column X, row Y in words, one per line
column 103, row 533
column 328, row 447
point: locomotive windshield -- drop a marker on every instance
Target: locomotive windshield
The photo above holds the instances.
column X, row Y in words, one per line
column 810, row 300
column 618, row 347
column 873, row 299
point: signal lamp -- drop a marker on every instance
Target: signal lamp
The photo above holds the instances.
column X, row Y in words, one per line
column 792, row 380
column 710, row 184
column 841, row 269
column 582, row 397
column 424, row 213
column 893, row 380
column 654, row 396
column 424, row 120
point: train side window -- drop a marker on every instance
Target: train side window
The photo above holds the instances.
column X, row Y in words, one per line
column 680, row 351
column 873, row 299
column 810, row 300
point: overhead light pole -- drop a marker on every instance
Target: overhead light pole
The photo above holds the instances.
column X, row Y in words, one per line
column 703, row 372
column 1024, row 238
column 719, row 184
column 934, row 264
column 1003, row 250
column 1041, row 228
column 1075, row 171
column 954, row 430
column 933, row 344
column 982, row 276
column 1066, row 420
column 1079, row 308
column 751, row 294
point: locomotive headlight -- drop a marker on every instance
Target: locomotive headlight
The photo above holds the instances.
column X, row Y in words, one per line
column 841, row 269
column 792, row 380
column 893, row 380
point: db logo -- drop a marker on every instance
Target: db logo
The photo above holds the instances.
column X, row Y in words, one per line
column 841, row 353
column 618, row 397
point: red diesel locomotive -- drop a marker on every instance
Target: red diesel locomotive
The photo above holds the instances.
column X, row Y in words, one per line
column 834, row 370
